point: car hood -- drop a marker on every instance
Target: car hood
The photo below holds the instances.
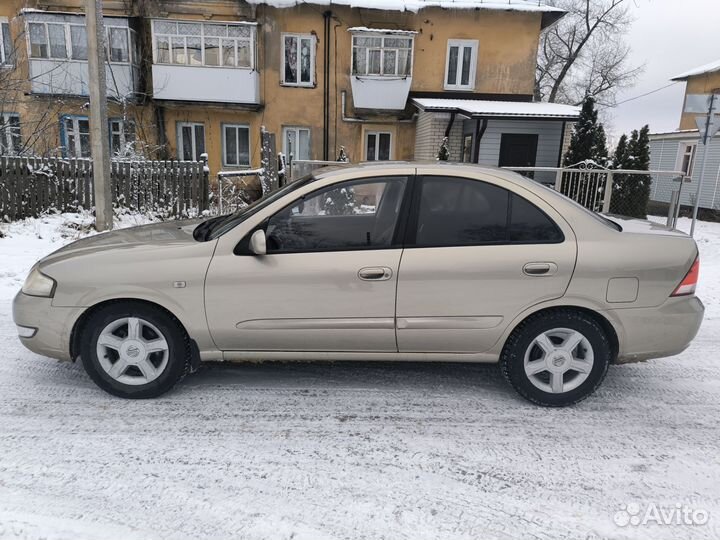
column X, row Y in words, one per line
column 150, row 236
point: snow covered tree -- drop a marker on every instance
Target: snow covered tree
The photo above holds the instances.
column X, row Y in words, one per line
column 631, row 192
column 444, row 151
column 588, row 140
column 342, row 156
column 339, row 202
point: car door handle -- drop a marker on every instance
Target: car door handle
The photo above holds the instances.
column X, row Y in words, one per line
column 375, row 273
column 540, row 269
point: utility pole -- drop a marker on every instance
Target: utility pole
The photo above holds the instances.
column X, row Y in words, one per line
column 99, row 137
column 707, row 136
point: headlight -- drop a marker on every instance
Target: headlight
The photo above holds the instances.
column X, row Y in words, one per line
column 38, row 284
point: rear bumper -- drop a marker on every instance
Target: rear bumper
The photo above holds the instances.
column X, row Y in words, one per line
column 657, row 332
column 53, row 325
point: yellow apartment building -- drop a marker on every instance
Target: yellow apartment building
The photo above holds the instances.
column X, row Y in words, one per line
column 192, row 77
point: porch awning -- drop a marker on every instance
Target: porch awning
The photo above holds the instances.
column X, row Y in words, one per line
column 480, row 108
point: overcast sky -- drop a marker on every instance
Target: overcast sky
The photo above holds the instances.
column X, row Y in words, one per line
column 669, row 37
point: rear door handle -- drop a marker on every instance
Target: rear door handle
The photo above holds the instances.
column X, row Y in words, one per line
column 540, row 269
column 375, row 273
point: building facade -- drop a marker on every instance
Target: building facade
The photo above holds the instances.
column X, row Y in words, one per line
column 682, row 150
column 192, row 77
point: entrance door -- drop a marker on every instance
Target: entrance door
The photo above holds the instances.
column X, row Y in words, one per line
column 518, row 150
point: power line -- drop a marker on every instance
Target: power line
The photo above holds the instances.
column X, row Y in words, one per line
column 647, row 93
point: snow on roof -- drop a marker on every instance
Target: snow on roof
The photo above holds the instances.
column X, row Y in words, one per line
column 481, row 107
column 701, row 70
column 417, row 5
column 382, row 31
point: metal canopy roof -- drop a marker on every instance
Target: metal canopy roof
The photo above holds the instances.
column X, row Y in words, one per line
column 501, row 109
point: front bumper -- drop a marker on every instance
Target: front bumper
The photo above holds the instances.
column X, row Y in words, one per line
column 54, row 325
column 657, row 332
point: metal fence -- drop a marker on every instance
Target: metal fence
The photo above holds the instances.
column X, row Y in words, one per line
column 237, row 189
column 614, row 191
column 31, row 186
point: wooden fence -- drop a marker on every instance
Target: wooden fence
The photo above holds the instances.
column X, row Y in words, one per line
column 30, row 186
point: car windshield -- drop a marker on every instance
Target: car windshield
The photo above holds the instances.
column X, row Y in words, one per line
column 217, row 226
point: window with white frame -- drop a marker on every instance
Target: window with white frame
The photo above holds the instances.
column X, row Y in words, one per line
column 63, row 41
column 75, row 136
column 382, row 55
column 78, row 42
column 191, row 141
column 190, row 43
column 686, row 158
column 378, row 146
column 461, row 64
column 296, row 142
column 122, row 136
column 10, row 141
column 298, row 65
column 7, row 56
column 236, row 145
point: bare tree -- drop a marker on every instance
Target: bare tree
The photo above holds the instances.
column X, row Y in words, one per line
column 585, row 54
column 30, row 121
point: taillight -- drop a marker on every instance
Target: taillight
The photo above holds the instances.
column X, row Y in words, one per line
column 688, row 284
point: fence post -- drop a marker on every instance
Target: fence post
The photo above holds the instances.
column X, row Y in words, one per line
column 268, row 162
column 204, row 195
column 220, row 194
column 558, row 180
column 608, row 192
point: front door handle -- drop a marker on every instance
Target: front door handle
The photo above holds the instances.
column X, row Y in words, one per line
column 540, row 269
column 375, row 273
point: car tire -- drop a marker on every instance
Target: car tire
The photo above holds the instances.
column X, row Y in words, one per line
column 556, row 358
column 134, row 350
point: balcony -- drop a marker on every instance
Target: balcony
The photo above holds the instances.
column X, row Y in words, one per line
column 57, row 55
column 205, row 62
column 381, row 68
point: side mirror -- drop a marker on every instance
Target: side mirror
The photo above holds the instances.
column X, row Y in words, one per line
column 258, row 243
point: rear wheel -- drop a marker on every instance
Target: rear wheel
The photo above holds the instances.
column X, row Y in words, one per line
column 134, row 350
column 556, row 358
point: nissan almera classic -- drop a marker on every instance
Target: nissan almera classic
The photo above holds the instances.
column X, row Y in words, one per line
column 393, row 261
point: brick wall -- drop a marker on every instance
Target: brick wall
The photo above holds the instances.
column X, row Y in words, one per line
column 429, row 133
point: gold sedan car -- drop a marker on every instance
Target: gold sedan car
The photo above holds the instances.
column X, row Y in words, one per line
column 394, row 261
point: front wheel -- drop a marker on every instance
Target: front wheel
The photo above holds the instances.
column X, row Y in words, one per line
column 556, row 358
column 134, row 350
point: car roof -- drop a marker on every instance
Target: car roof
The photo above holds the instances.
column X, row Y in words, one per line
column 441, row 166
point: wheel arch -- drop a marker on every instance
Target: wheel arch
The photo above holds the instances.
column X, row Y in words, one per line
column 604, row 323
column 80, row 323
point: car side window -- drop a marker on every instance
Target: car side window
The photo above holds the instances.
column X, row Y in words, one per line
column 460, row 212
column 530, row 225
column 463, row 212
column 360, row 214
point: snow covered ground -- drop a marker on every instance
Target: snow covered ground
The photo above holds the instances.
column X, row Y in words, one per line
column 352, row 450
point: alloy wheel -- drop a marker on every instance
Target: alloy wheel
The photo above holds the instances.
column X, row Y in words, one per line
column 132, row 351
column 558, row 360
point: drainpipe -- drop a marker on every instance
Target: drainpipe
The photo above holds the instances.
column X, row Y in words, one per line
column 162, row 136
column 450, row 124
column 326, row 85
column 479, row 132
column 343, row 98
